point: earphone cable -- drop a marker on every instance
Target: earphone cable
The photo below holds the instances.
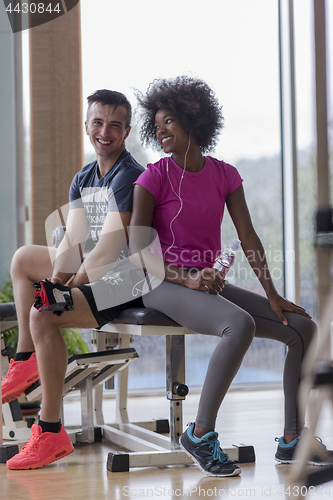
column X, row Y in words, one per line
column 178, row 195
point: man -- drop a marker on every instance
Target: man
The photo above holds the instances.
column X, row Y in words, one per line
column 100, row 203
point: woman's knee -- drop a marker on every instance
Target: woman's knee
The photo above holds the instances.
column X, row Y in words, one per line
column 304, row 328
column 249, row 327
column 243, row 327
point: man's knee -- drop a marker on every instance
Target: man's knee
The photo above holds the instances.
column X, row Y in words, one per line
column 24, row 258
column 20, row 258
column 31, row 259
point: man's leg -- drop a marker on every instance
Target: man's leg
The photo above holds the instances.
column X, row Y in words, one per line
column 30, row 263
column 49, row 441
column 51, row 350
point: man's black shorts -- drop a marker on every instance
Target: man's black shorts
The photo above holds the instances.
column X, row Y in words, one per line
column 106, row 315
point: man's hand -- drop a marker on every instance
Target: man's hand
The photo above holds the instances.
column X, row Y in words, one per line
column 53, row 297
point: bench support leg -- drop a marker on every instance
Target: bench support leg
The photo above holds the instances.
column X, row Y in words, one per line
column 175, row 383
column 88, row 432
column 122, row 385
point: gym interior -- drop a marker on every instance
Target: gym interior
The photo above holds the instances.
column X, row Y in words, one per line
column 130, row 395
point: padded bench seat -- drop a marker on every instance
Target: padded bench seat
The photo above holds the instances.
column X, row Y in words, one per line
column 8, row 311
column 8, row 318
column 132, row 316
column 144, row 316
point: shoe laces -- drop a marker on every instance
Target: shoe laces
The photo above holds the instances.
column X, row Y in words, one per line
column 31, row 444
column 218, row 454
column 10, row 369
column 320, row 442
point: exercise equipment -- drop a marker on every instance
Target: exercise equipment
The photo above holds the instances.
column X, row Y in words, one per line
column 143, row 442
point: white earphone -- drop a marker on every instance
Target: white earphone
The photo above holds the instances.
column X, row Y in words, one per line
column 178, row 195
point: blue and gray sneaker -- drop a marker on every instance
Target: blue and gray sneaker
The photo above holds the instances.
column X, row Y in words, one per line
column 285, row 453
column 207, row 454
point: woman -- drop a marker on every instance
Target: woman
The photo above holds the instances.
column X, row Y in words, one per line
column 183, row 196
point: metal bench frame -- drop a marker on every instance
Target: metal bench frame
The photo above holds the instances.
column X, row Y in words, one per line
column 143, row 442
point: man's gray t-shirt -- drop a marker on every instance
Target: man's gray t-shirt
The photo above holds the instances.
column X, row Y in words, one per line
column 110, row 193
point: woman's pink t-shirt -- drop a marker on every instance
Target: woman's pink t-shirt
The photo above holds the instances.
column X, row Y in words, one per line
column 197, row 228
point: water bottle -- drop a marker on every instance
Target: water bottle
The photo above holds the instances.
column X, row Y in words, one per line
column 226, row 259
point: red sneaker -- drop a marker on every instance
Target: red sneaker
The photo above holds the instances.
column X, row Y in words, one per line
column 43, row 448
column 20, row 376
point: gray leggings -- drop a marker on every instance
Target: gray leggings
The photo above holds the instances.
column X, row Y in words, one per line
column 236, row 315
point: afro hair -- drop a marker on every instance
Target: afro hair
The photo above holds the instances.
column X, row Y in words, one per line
column 193, row 103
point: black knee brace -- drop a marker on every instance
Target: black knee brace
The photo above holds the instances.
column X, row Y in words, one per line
column 53, row 297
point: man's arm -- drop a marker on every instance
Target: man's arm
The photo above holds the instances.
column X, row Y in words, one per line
column 112, row 240
column 70, row 251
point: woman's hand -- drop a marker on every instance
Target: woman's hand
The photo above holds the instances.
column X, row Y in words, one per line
column 279, row 304
column 208, row 280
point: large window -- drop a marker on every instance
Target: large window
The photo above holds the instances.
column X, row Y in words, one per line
column 234, row 46
column 306, row 141
column 329, row 27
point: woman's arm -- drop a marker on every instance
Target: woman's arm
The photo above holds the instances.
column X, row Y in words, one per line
column 208, row 280
column 255, row 254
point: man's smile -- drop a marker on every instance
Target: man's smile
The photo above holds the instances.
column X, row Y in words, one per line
column 105, row 143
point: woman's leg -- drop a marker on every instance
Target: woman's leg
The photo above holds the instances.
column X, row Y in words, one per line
column 208, row 314
column 296, row 336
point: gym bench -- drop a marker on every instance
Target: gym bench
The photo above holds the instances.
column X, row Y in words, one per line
column 144, row 443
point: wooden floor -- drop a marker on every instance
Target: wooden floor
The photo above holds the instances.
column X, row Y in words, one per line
column 251, row 417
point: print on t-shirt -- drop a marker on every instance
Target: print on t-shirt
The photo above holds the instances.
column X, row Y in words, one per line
column 97, row 202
